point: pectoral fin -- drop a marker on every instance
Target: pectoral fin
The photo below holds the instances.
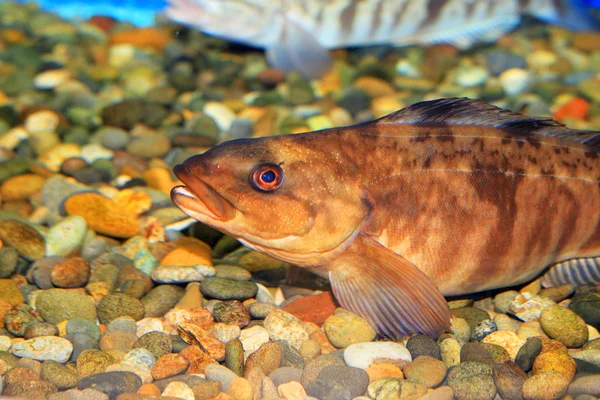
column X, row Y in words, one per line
column 298, row 50
column 388, row 291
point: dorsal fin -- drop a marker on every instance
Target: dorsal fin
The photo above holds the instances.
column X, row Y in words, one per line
column 464, row 111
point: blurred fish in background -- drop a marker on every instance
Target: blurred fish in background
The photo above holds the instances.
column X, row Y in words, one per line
column 298, row 34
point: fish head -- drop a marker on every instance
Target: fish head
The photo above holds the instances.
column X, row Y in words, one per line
column 275, row 197
column 236, row 20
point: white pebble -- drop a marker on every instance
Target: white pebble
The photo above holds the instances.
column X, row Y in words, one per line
column 362, row 355
column 222, row 115
column 44, row 348
column 146, row 325
column 181, row 274
column 94, row 151
column 50, row 79
column 179, row 390
column 282, row 325
column 5, row 343
column 514, row 81
column 42, row 121
column 252, row 338
column 66, row 236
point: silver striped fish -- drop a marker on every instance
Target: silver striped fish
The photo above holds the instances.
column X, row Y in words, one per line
column 298, row 33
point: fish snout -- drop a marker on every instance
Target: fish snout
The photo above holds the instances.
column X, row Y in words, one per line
column 197, row 198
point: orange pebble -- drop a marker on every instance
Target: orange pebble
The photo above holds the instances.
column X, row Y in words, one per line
column 377, row 371
column 149, row 389
column 577, row 108
column 144, row 37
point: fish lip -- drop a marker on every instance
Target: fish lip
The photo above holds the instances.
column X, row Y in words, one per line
column 200, row 197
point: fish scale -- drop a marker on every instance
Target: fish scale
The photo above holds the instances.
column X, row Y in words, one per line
column 445, row 197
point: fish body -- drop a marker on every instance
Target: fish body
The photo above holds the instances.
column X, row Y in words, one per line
column 297, row 33
column 446, row 197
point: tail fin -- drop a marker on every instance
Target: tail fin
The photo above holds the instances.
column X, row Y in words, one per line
column 577, row 15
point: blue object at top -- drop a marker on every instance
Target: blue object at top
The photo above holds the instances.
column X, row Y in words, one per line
column 138, row 12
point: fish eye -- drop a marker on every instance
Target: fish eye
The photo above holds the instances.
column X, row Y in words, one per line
column 266, row 177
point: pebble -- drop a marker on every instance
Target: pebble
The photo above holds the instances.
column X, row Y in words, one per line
column 71, row 273
column 21, row 187
column 117, row 305
column 59, row 375
column 386, row 388
column 216, row 372
column 344, row 328
column 102, row 214
column 44, row 348
column 315, row 308
column 509, row 380
column 225, row 333
column 503, row 300
column 292, row 391
column 252, row 338
column 111, row 383
column 57, row 305
column 564, row 325
column 425, row 370
column 225, row 289
column 267, row 357
column 587, row 306
column 547, row 385
column 232, row 272
column 527, row 354
column 260, row 310
column 483, row 329
column 515, row 81
column 528, row 307
column 158, row 343
column 10, row 293
column 178, row 390
column 472, row 380
column 421, row 345
column 66, row 236
column 284, row 326
column 471, row 76
column 28, row 242
column 231, row 312
column 362, row 355
column 507, row 339
column 589, row 384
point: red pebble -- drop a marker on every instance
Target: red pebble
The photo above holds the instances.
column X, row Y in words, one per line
column 577, row 108
column 313, row 309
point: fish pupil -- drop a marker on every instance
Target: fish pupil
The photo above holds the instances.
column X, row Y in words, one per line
column 268, row 176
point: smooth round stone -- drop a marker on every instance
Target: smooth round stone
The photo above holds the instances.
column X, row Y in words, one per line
column 546, row 385
column 310, row 349
column 259, row 310
column 16, row 321
column 161, row 299
column 564, row 325
column 66, row 236
column 499, row 354
column 355, row 380
column 140, row 357
column 290, row 357
column 78, row 325
column 71, row 273
column 313, row 368
column 57, row 305
column 509, row 380
column 471, row 314
column 393, row 388
column 112, row 383
column 231, row 312
column 284, row 326
column 558, row 293
column 285, row 374
column 483, row 329
column 117, row 305
column 344, row 328
column 587, row 306
column 178, row 390
column 117, row 340
column 28, row 242
column 589, row 384
column 148, row 325
column 232, row 272
column 124, row 323
column 9, row 258
column 421, row 345
column 425, row 370
column 149, row 146
column 507, row 339
column 158, row 343
column 81, row 342
column 471, row 76
column 252, row 338
column 515, row 81
column 59, row 375
column 556, row 360
column 41, row 270
column 44, row 348
column 234, row 356
column 112, row 138
column 5, row 343
column 472, row 380
column 474, row 351
column 216, row 372
column 267, row 358
column 181, row 274
column 527, row 354
column 362, row 355
column 225, row 289
column 93, row 361
column 40, row 329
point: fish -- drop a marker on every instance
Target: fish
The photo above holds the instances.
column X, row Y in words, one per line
column 444, row 197
column 297, row 34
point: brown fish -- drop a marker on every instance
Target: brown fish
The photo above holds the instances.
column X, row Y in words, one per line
column 445, row 197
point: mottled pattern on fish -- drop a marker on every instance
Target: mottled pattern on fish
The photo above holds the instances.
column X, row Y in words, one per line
column 452, row 196
column 297, row 32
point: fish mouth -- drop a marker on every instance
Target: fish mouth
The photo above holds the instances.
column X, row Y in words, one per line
column 198, row 199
